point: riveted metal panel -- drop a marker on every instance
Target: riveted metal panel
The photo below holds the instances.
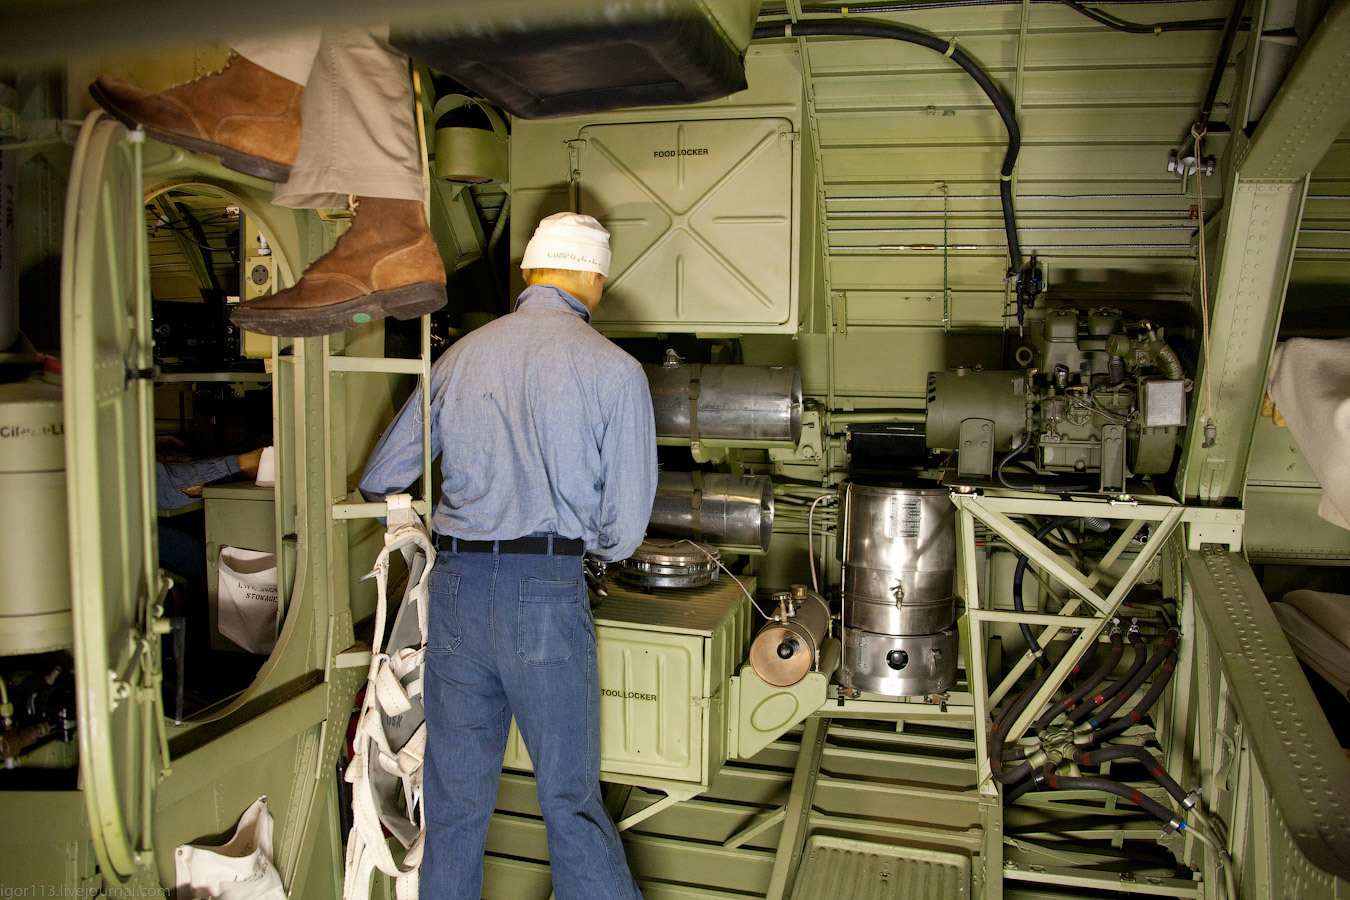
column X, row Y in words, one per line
column 863, row 870
column 1298, row 755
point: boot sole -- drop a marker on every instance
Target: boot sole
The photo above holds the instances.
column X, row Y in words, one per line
column 246, row 163
column 407, row 302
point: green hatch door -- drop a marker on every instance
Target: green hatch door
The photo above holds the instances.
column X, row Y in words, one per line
column 106, row 364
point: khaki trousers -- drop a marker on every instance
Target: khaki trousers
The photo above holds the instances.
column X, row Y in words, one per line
column 358, row 135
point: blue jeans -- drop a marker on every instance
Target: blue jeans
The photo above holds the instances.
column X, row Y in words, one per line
column 512, row 634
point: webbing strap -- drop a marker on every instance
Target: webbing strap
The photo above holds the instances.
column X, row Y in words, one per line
column 697, row 477
column 693, row 391
column 367, row 847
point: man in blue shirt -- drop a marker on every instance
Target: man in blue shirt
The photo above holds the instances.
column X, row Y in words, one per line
column 548, row 450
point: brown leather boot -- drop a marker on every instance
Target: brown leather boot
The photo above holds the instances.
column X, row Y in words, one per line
column 385, row 264
column 244, row 114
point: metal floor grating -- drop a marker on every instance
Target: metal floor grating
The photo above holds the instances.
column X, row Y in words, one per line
column 861, row 870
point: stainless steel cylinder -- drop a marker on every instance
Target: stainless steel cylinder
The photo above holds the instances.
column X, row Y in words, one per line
column 787, row 647
column 901, row 665
column 731, row 510
column 35, row 606
column 733, row 403
column 899, row 554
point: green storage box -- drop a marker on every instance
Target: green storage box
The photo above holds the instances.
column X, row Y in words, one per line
column 666, row 659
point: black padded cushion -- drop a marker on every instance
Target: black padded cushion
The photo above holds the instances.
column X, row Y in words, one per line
column 576, row 70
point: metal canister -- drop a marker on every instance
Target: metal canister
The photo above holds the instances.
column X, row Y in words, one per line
column 731, row 403
column 898, row 549
column 730, row 510
column 786, row 648
column 899, row 554
column 671, row 564
column 34, row 541
column 901, row 665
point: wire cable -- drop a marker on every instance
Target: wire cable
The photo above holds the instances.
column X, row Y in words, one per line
column 810, row 542
column 722, row 566
column 948, row 48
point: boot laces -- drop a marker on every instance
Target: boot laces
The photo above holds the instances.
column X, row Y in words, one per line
column 229, row 60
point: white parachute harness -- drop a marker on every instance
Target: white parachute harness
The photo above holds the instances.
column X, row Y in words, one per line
column 391, row 733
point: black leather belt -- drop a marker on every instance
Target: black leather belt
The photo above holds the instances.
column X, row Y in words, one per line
column 539, row 545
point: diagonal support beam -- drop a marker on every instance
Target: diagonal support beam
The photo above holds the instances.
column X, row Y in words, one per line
column 792, row 839
column 1048, row 634
column 1311, row 108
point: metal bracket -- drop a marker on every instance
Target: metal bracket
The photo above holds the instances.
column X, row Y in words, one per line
column 975, row 453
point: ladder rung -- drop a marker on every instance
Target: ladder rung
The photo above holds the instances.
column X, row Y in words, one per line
column 376, row 364
column 373, row 510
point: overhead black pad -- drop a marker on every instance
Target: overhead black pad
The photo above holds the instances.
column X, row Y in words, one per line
column 539, row 73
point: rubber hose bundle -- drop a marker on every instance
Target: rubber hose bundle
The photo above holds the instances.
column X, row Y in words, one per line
column 1020, row 573
column 1101, row 712
column 1137, row 663
column 1097, row 677
column 1000, row 732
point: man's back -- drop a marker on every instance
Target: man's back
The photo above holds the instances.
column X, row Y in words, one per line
column 542, row 425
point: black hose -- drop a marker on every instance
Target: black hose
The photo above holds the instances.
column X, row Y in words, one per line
column 1048, row 778
column 1096, row 678
column 1111, row 21
column 1018, row 575
column 887, row 30
column 999, row 733
column 1230, row 30
column 1135, row 716
column 1138, row 754
column 1113, row 703
column 1137, row 663
column 1108, row 21
column 1049, row 483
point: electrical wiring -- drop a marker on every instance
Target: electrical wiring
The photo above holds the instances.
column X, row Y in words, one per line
column 1201, row 829
column 723, row 567
column 810, row 540
column 1096, row 15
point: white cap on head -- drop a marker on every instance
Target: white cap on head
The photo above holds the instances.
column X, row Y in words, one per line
column 568, row 241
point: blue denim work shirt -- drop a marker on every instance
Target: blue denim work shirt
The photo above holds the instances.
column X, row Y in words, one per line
column 542, row 425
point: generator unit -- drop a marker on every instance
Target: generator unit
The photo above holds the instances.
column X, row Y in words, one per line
column 1099, row 397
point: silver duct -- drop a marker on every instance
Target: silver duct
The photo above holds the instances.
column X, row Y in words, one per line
column 726, row 403
column 729, row 510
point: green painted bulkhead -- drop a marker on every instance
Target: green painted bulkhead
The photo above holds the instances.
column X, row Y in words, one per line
column 870, row 168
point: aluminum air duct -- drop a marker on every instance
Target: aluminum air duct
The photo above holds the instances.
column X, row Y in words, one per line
column 726, row 403
column 729, row 510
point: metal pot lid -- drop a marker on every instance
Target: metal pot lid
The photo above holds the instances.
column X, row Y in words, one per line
column 674, row 554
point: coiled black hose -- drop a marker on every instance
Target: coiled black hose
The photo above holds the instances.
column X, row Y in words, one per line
column 1047, row 778
column 1114, row 702
column 1135, row 716
column 887, row 30
column 1137, row 663
column 1000, row 733
column 1138, row 754
column 1020, row 572
column 1096, row 678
